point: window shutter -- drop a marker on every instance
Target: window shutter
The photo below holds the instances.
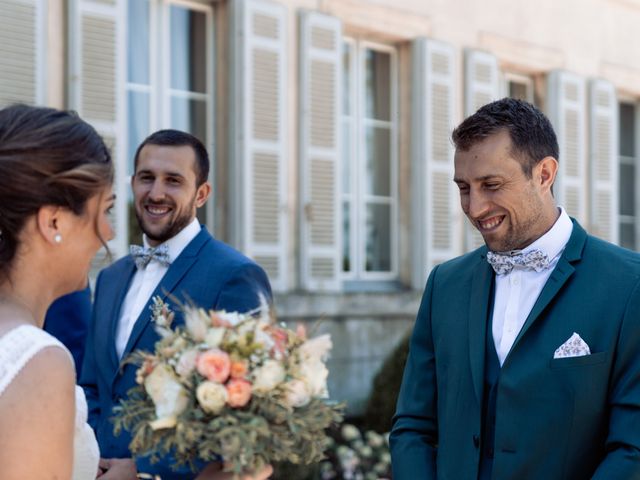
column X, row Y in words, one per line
column 567, row 105
column 603, row 139
column 320, row 85
column 21, row 51
column 259, row 207
column 432, row 156
column 96, row 88
column 482, row 86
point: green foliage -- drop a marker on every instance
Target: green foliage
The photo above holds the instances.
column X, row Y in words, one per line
column 381, row 405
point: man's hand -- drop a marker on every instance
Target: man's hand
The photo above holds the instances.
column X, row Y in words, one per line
column 117, row 469
column 214, row 472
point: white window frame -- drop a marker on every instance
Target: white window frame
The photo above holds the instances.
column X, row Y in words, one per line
column 635, row 161
column 159, row 88
column 358, row 124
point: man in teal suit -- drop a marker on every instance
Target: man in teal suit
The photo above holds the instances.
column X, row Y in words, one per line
column 524, row 362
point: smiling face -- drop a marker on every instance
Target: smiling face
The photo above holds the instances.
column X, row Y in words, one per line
column 510, row 210
column 165, row 193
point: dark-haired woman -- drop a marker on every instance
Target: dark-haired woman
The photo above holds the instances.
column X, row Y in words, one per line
column 55, row 195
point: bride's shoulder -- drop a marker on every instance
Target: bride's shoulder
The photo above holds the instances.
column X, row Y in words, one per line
column 28, row 355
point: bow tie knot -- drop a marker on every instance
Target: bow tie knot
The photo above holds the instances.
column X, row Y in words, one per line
column 503, row 263
column 143, row 255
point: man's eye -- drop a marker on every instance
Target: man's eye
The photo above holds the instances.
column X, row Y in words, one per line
column 492, row 186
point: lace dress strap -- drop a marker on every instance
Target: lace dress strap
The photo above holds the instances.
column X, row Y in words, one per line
column 18, row 346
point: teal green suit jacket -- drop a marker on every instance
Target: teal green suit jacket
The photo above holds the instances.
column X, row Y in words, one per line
column 557, row 419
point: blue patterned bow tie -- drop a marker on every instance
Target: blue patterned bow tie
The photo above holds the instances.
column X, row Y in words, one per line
column 143, row 255
column 503, row 262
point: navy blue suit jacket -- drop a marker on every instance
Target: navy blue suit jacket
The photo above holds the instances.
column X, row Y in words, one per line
column 209, row 273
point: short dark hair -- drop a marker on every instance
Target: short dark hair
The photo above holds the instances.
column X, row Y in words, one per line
column 177, row 138
column 531, row 133
column 47, row 157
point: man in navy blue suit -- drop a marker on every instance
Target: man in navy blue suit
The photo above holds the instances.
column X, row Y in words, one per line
column 180, row 262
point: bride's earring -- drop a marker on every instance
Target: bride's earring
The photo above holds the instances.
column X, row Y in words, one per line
column 57, row 238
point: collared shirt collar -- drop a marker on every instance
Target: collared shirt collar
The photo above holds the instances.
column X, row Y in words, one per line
column 180, row 241
column 553, row 242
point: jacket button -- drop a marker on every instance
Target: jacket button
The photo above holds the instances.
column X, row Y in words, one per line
column 476, row 441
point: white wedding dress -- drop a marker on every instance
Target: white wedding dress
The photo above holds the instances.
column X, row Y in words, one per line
column 17, row 347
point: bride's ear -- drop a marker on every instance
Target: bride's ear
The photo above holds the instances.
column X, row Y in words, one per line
column 48, row 222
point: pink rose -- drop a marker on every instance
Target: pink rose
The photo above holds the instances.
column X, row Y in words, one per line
column 239, row 369
column 214, row 365
column 238, row 392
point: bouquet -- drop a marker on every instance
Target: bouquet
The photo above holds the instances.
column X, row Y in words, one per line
column 230, row 385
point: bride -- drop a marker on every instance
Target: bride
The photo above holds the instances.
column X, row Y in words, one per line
column 55, row 198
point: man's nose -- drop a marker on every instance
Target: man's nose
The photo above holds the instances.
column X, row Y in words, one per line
column 157, row 191
column 477, row 205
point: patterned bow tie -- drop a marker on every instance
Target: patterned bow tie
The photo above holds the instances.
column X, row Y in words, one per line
column 143, row 255
column 503, row 263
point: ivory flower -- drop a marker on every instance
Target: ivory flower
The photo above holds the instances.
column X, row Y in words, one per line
column 211, row 396
column 268, row 376
column 168, row 395
column 296, row 393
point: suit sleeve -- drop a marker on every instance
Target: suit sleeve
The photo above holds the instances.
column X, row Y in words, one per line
column 244, row 287
column 88, row 374
column 622, row 461
column 414, row 434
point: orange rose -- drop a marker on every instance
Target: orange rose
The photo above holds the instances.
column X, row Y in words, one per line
column 238, row 392
column 214, row 365
column 239, row 369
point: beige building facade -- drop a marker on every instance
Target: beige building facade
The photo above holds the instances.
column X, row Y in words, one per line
column 328, row 122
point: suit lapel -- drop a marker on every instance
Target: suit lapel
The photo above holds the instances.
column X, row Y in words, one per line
column 120, row 291
column 176, row 272
column 561, row 273
column 481, row 284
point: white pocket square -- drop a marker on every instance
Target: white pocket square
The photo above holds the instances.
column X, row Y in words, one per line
column 574, row 347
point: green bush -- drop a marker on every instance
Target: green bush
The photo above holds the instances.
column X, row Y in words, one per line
column 386, row 386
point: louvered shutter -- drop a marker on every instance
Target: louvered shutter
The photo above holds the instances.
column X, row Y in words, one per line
column 96, row 87
column 320, row 74
column 259, row 210
column 21, row 51
column 567, row 103
column 482, row 86
column 603, row 139
column 434, row 205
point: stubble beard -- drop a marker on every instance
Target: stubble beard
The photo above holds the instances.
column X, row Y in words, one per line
column 174, row 226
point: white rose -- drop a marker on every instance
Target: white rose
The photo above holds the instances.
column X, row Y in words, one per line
column 211, row 396
column 315, row 374
column 296, row 393
column 214, row 336
column 187, row 363
column 196, row 321
column 268, row 376
column 167, row 394
column 317, row 347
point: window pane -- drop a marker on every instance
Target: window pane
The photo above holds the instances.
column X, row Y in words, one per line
column 188, row 50
column 627, row 130
column 138, row 41
column 628, row 236
column 627, row 190
column 378, row 166
column 347, row 157
column 378, row 231
column 190, row 116
column 518, row 90
column 347, row 77
column 346, row 237
column 378, row 85
column 138, row 123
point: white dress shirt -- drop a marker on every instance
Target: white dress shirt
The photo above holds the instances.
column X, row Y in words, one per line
column 517, row 291
column 145, row 281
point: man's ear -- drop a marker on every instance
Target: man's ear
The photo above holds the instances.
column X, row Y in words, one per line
column 202, row 194
column 546, row 171
column 48, row 221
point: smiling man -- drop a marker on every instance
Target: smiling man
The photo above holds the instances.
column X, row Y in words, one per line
column 524, row 362
column 180, row 262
